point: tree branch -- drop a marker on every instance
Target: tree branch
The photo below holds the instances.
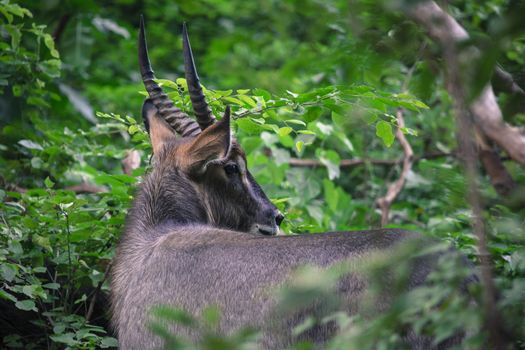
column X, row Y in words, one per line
column 444, row 29
column 83, row 187
column 506, row 82
column 348, row 163
column 498, row 174
column 395, row 188
column 484, row 113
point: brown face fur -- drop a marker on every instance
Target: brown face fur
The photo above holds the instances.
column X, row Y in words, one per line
column 214, row 165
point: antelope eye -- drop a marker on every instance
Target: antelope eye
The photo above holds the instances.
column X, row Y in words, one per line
column 231, row 169
column 279, row 219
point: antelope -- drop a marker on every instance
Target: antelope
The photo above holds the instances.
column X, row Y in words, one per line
column 202, row 232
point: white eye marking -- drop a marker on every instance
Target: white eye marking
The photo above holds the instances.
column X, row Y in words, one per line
column 242, row 165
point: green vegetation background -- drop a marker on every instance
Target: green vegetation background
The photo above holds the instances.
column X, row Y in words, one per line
column 316, row 80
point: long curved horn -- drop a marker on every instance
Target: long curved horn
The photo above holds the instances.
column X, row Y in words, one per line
column 177, row 119
column 202, row 111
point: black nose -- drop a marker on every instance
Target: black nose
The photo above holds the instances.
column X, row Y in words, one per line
column 279, row 218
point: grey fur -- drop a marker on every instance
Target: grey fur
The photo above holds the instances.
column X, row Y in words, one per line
column 175, row 250
column 190, row 242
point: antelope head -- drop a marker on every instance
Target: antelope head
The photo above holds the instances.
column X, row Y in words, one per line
column 202, row 157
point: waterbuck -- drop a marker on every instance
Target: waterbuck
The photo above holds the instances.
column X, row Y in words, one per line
column 202, row 232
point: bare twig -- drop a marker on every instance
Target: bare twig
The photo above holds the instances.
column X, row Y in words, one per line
column 348, row 163
column 62, row 23
column 345, row 163
column 129, row 163
column 86, row 187
column 16, row 188
column 96, row 292
column 69, row 265
column 487, row 115
column 395, row 188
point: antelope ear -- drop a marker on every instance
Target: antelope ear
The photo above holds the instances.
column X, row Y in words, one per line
column 159, row 131
column 211, row 146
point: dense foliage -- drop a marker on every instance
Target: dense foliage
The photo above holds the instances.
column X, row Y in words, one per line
column 314, row 86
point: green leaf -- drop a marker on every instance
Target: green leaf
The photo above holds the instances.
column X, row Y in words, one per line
column 175, row 315
column 16, row 35
column 312, row 114
column 108, row 342
column 299, row 146
column 26, row 305
column 263, row 93
column 168, row 83
column 16, row 9
column 248, row 125
column 54, row 286
column 211, row 315
column 233, row 100
column 326, row 129
column 42, row 241
column 384, row 131
column 133, row 129
column 16, row 248
column 409, row 131
column 59, row 328
column 29, row 290
column 7, row 15
column 304, row 326
column 259, row 121
column 342, row 137
column 30, row 145
column 296, row 121
column 48, row 182
column 330, row 159
column 271, row 127
column 284, row 131
column 36, row 163
column 294, row 95
column 51, row 67
column 306, row 132
column 248, row 100
column 315, row 212
column 50, row 43
column 6, row 295
column 131, row 120
column 67, row 338
column 420, row 104
column 370, row 118
column 287, row 141
column 338, row 119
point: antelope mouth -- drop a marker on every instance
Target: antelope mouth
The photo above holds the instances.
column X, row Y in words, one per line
column 266, row 230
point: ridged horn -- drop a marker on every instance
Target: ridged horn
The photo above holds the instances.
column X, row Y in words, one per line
column 202, row 111
column 177, row 119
